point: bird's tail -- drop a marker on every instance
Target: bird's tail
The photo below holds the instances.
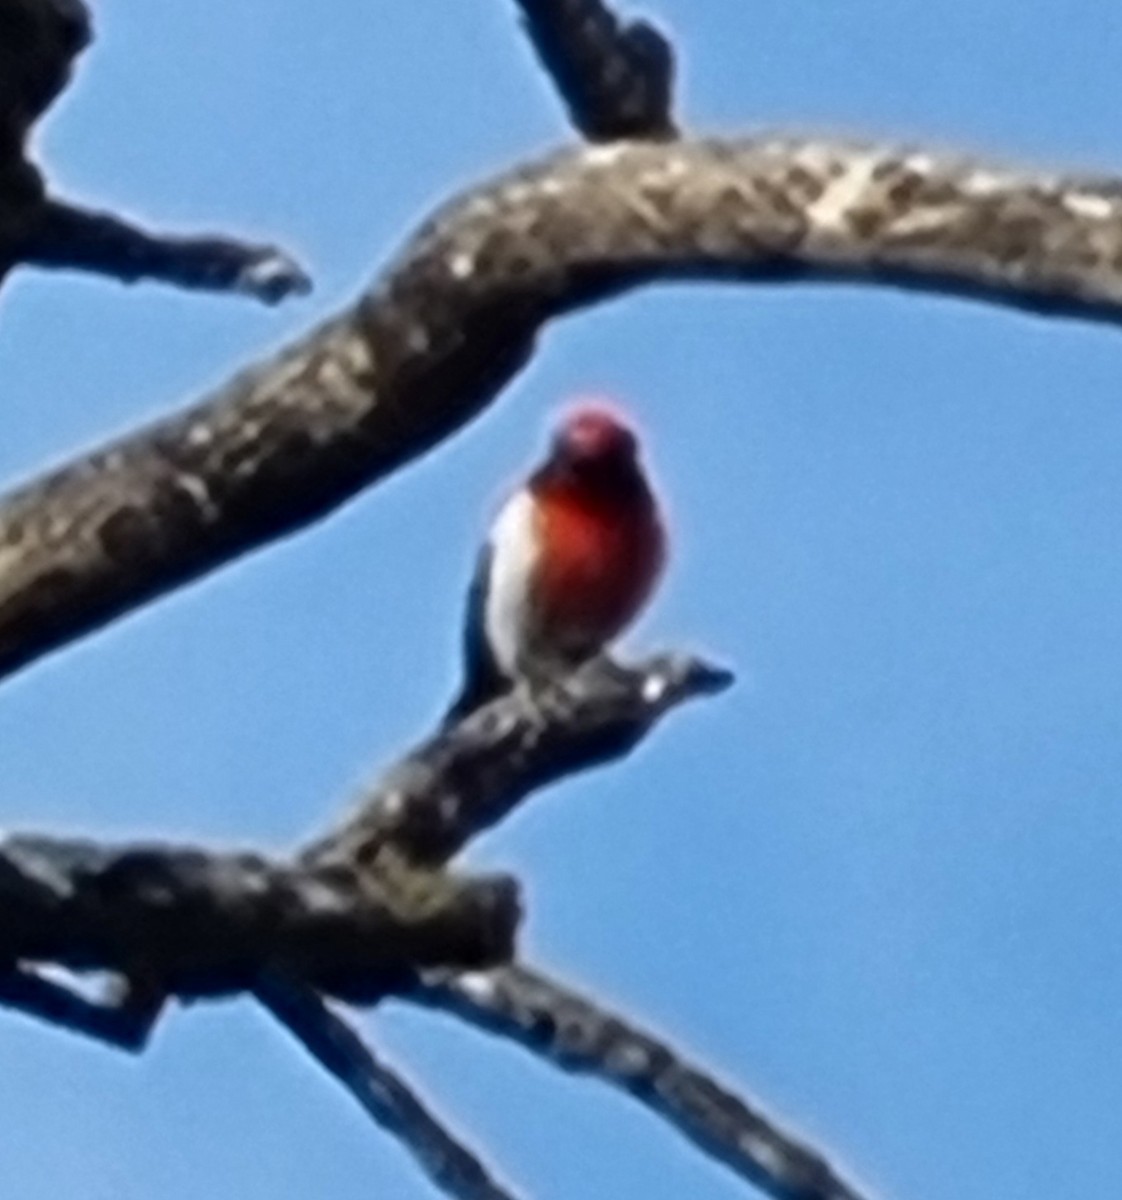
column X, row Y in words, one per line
column 480, row 687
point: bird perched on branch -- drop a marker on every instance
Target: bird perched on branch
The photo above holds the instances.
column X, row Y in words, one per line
column 572, row 557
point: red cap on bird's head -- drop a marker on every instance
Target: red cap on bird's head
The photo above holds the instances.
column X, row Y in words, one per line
column 593, row 431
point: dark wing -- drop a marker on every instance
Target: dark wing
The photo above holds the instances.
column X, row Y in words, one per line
column 482, row 680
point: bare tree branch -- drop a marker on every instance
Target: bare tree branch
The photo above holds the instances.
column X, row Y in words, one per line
column 383, row 1094
column 456, row 317
column 361, row 910
column 616, row 78
column 123, row 1021
column 581, row 1036
column 206, row 924
column 64, row 236
column 39, row 40
column 468, row 777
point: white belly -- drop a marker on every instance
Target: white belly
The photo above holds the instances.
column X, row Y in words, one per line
column 508, row 613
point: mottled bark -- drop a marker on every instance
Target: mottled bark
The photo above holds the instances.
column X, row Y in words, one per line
column 468, row 777
column 456, row 315
column 206, row 923
column 369, row 908
column 359, row 913
column 582, row 1036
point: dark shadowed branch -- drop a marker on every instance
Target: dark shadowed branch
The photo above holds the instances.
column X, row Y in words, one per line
column 357, row 914
column 122, row 1018
column 582, row 1036
column 64, row 236
column 39, row 40
column 468, row 777
column 615, row 77
column 381, row 1092
column 457, row 314
column 343, row 916
column 205, row 923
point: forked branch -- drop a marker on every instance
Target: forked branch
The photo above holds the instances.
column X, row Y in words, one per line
column 359, row 913
column 39, row 41
column 368, row 909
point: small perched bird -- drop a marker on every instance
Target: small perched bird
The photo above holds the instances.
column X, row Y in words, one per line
column 572, row 557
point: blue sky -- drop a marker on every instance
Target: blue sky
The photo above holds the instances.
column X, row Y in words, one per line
column 878, row 884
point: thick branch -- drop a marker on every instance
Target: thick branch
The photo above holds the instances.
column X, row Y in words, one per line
column 579, row 1035
column 345, row 917
column 457, row 315
column 383, row 1094
column 616, row 78
column 467, row 778
column 204, row 924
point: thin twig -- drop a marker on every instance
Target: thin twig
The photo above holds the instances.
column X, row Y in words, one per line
column 124, row 1020
column 66, row 237
column 382, row 1093
column 580, row 1035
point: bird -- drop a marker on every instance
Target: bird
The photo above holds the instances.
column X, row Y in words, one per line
column 572, row 557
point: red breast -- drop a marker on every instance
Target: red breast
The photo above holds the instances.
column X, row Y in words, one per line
column 601, row 554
